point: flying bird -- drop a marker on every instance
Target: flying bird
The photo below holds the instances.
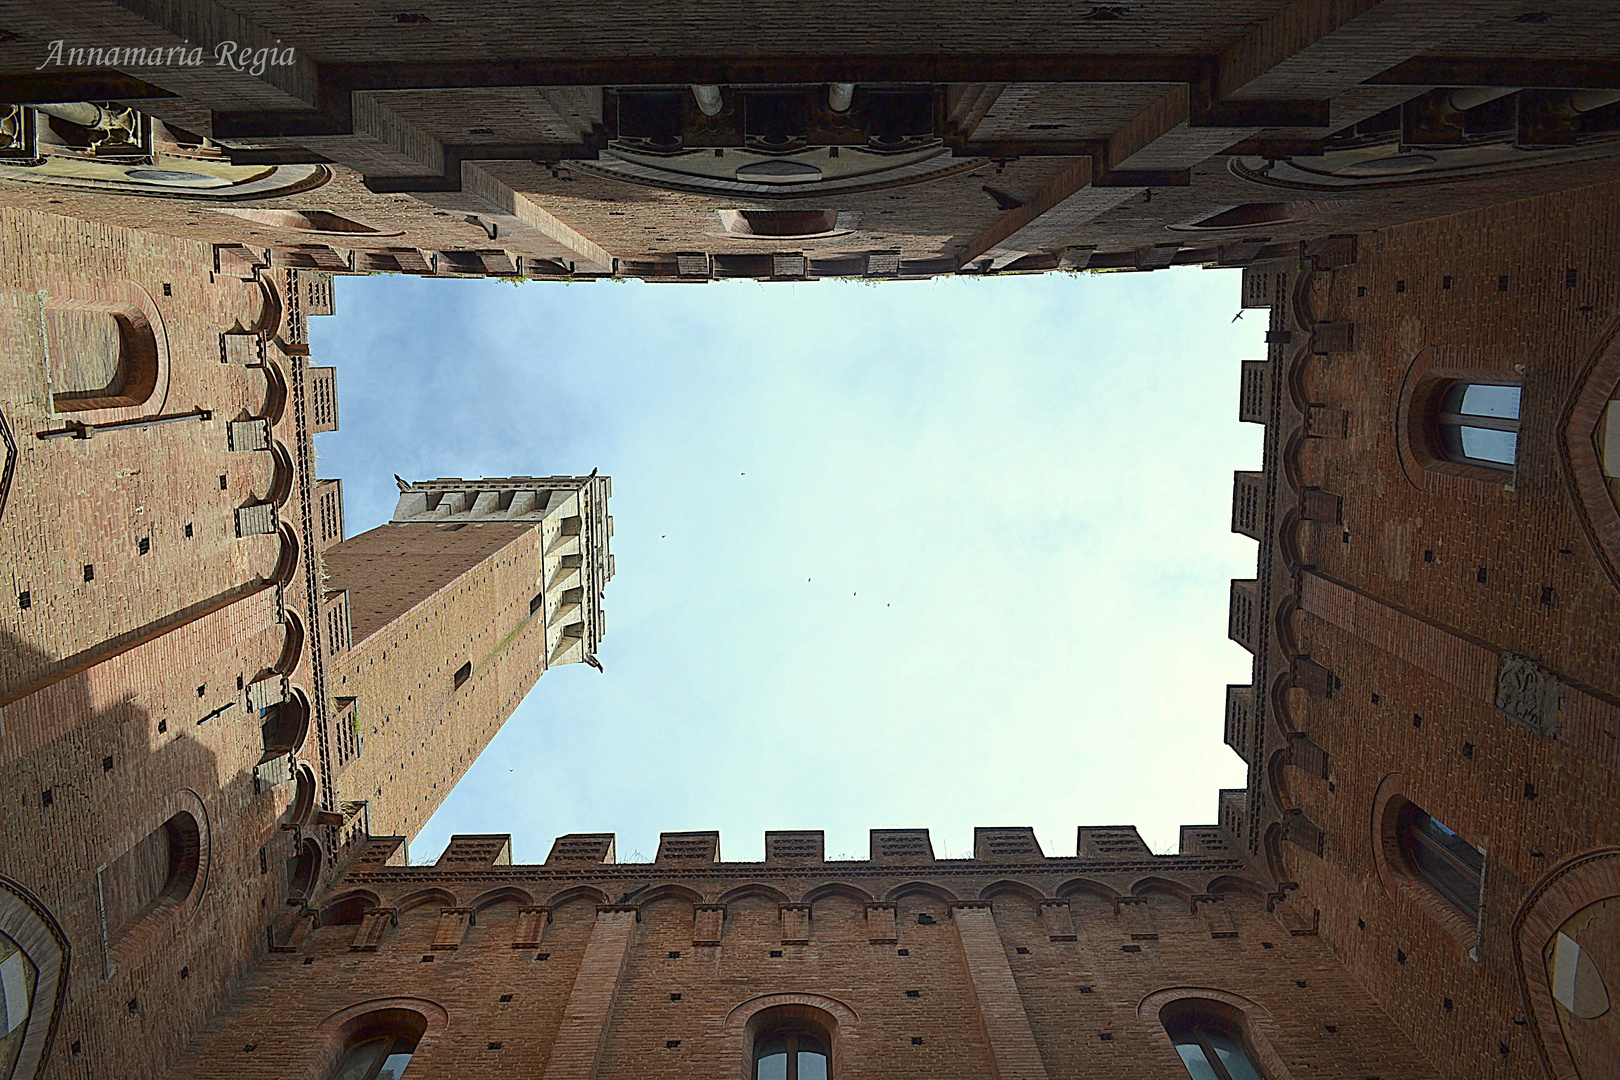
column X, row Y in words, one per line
column 1238, row 316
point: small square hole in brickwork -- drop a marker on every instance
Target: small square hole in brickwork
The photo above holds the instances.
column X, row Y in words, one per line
column 163, row 725
column 1330, row 1028
column 506, row 997
column 670, row 1044
column 1428, row 556
column 1502, row 1048
column 674, row 997
column 239, row 682
column 1106, row 1036
column 495, row 1046
column 134, row 1004
column 1400, row 957
column 1021, row 951
column 185, row 973
column 913, row 993
column 1267, row 945
column 674, row 955
column 188, row 530
column 309, row 960
column 427, row 959
column 107, row 763
column 249, row 1048
column 89, row 571
column 776, row 953
column 1481, row 575
column 201, row 690
column 1501, row 283
column 902, row 952
column 144, row 545
column 1468, row 750
column 924, row 919
column 1361, row 924
column 1570, row 277
column 25, row 600
column 1300, row 983
column 45, row 797
column 1375, row 699
column 1547, row 594
column 168, row 289
column 264, row 862
column 1445, row 1003
column 1529, row 790
column 1361, row 290
column 916, row 1040
column 1400, row 286
column 542, row 956
column 1445, row 282
column 1417, row 721
column 1347, row 536
column 1130, row 948
column 77, row 1046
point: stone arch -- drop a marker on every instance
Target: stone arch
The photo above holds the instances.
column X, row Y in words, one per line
column 506, row 894
column 1009, row 888
column 1234, row 885
column 1087, row 887
column 837, row 888
column 921, row 888
column 347, row 909
column 1255, row 1021
column 140, row 375
column 1579, row 458
column 434, row 895
column 742, row 892
column 587, row 893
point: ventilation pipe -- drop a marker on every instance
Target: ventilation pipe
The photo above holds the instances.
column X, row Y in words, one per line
column 840, row 96
column 708, row 99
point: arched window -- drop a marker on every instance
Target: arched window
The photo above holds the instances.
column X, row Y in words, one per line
column 1476, row 423
column 379, row 1045
column 1209, row 1037
column 158, row 871
column 792, row 1050
column 1446, row 862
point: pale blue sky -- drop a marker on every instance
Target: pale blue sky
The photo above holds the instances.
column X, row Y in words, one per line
column 916, row 554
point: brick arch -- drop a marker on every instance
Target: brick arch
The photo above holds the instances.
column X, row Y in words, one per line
column 587, row 893
column 281, row 474
column 921, row 888
column 180, row 899
column 1425, row 470
column 270, row 309
column 1006, row 887
column 1573, row 884
column 348, row 908
column 275, row 392
column 302, row 807
column 1578, row 459
column 838, row 888
column 1401, row 883
column 743, row 892
column 442, row 897
column 506, row 894
column 665, row 891
column 1087, row 887
column 841, row 1021
column 292, row 647
column 1164, row 886
column 1235, row 885
column 427, row 1018
column 1255, row 1021
column 141, row 381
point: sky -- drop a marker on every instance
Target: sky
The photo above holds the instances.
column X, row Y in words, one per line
column 935, row 554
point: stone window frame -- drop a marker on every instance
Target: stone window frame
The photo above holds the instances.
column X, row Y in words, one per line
column 1254, row 1022
column 1404, row 882
column 841, row 1022
column 1572, row 885
column 26, row 920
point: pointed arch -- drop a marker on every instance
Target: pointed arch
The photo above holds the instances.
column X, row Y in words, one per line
column 586, row 893
column 1008, row 889
column 921, row 888
column 1163, row 886
column 347, row 909
column 442, row 897
column 666, row 891
column 1233, row 885
column 506, row 894
column 743, row 892
column 1087, row 887
column 837, row 888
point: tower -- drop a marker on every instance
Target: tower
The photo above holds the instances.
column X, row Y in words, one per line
column 439, row 622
